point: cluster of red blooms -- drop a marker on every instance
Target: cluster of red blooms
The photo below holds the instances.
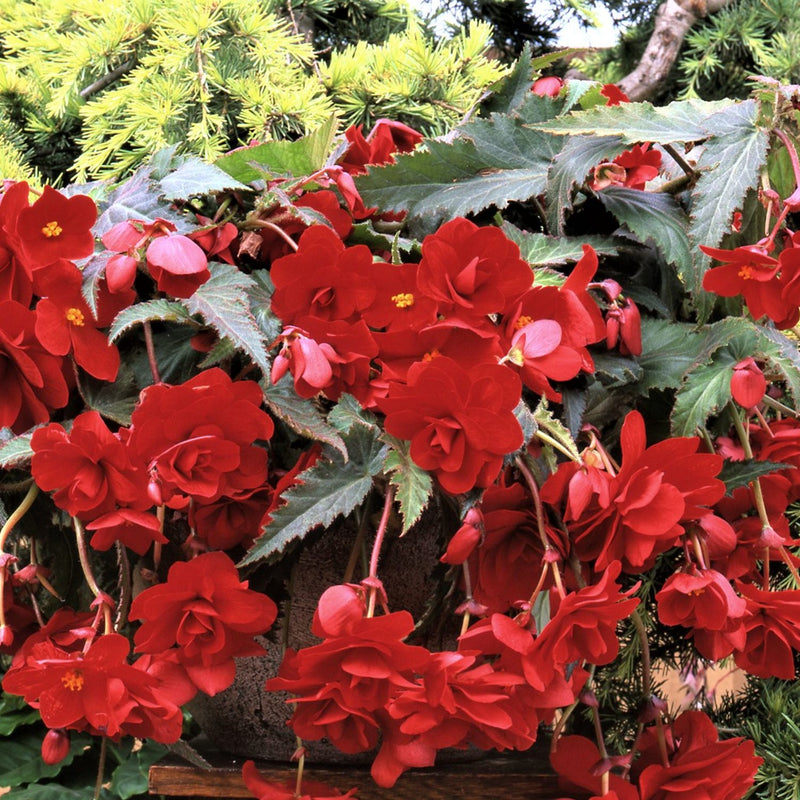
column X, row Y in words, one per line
column 443, row 349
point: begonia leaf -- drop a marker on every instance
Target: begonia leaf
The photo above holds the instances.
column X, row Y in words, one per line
column 158, row 309
column 94, row 270
column 539, row 248
column 348, row 412
column 669, row 351
column 114, row 401
column 413, row 485
column 730, row 165
column 616, row 370
column 15, row 451
column 14, row 711
column 21, row 762
column 331, row 488
column 223, row 303
column 741, row 473
column 782, row 355
column 652, row 215
column 497, row 161
column 509, row 92
column 195, row 177
column 301, row 415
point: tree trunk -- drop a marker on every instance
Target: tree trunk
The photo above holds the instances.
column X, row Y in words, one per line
column 674, row 18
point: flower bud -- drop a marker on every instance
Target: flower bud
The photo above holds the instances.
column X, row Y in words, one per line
column 550, row 86
column 55, row 746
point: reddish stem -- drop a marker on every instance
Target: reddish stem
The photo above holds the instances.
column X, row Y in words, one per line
column 376, row 547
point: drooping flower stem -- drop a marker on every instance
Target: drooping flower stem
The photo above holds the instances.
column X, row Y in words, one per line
column 17, row 514
column 101, row 768
column 86, row 567
column 151, row 351
column 262, row 223
column 376, row 548
column 301, row 762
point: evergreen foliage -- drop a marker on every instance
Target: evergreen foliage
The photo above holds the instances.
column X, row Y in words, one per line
column 89, row 89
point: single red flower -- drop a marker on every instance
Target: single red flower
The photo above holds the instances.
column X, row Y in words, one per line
column 263, row 789
column 701, row 765
column 205, row 611
column 16, row 274
column 613, row 94
column 641, row 164
column 32, row 378
column 194, row 437
column 215, row 239
column 135, row 529
column 470, row 271
column 386, row 138
column 89, row 469
column 461, row 423
column 56, row 227
column 177, row 265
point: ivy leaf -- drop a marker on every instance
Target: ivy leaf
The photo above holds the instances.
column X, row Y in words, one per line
column 681, row 121
column 302, row 156
column 138, row 198
column 741, row 473
column 538, row 248
column 15, row 452
column 705, row 392
column 652, row 215
column 413, row 485
column 735, row 155
column 570, row 167
column 301, row 415
column 329, row 489
column 196, row 177
column 222, row 301
column 159, row 309
column 500, row 161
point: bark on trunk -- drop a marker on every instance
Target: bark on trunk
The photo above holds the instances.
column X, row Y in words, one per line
column 674, row 18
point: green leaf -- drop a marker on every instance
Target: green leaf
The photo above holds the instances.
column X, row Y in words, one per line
column 130, row 778
column 546, row 421
column 570, row 167
column 669, row 351
column 538, row 248
column 158, row 309
column 223, row 302
column 329, row 489
column 55, row 791
column 14, row 712
column 260, row 297
column 16, row 451
column 782, row 355
column 301, row 415
column 741, row 473
column 527, row 421
column 114, row 401
column 730, row 164
column 94, row 270
column 364, row 233
column 196, row 177
column 413, row 485
column 21, row 760
column 681, row 121
column 705, row 392
column 300, row 157
column 138, row 198
column 348, row 412
column 616, row 370
column 501, row 161
column 652, row 215
column 513, row 88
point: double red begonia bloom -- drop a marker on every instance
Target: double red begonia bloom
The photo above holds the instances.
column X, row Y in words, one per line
column 701, row 765
column 574, row 760
column 56, row 227
column 64, row 322
column 215, row 239
column 269, row 790
column 323, row 279
column 32, row 378
column 772, row 628
column 208, row 614
column 196, row 439
column 88, row 468
column 471, row 272
column 635, row 515
column 704, row 601
column 96, row 691
column 343, row 682
column 460, row 422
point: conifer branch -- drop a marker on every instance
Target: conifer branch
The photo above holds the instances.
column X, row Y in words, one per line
column 108, row 78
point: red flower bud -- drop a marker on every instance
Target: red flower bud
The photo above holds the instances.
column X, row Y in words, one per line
column 6, row 636
column 55, row 746
column 550, row 86
column 748, row 383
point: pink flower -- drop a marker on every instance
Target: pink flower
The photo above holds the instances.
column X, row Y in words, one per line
column 177, row 264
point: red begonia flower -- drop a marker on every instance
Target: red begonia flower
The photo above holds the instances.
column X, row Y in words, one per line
column 65, row 323
column 95, row 691
column 748, row 384
column 323, row 279
column 88, row 469
column 470, row 271
column 231, row 520
column 263, row 789
column 215, row 239
column 196, row 436
column 613, row 94
column 460, row 422
column 574, row 759
column 177, row 265
column 32, row 378
column 398, row 305
column 624, row 328
column 16, row 275
column 641, row 164
column 549, row 86
column 55, row 746
column 56, row 227
column 704, row 601
column 135, row 529
column 386, row 138
column 701, row 765
column 205, row 611
column 466, row 538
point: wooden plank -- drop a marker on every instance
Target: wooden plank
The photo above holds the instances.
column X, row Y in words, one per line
column 510, row 777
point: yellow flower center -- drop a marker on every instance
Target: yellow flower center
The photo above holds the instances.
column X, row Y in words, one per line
column 52, row 229
column 746, row 272
column 697, row 592
column 431, row 355
column 72, row 680
column 523, row 321
column 516, row 356
column 75, row 316
column 403, row 300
